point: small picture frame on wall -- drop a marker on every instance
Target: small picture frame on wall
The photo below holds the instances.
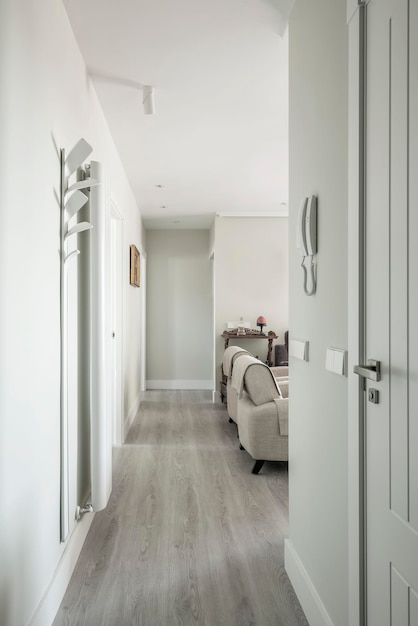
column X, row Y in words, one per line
column 134, row 267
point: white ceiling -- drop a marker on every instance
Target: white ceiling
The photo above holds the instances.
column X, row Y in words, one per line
column 218, row 141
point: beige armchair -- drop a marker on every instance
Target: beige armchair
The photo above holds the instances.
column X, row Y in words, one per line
column 262, row 413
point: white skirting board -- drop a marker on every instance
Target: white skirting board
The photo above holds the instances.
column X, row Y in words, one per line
column 179, row 384
column 50, row 603
column 311, row 603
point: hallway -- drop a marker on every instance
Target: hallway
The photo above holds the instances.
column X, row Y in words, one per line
column 189, row 536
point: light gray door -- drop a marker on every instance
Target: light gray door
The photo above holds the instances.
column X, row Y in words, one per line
column 391, row 315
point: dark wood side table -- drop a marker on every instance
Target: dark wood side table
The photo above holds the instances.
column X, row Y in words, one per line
column 270, row 337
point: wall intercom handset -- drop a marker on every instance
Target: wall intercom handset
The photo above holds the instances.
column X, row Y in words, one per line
column 306, row 239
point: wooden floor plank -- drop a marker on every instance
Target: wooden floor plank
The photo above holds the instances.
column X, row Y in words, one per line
column 190, row 536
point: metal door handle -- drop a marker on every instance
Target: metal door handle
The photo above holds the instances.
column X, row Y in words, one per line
column 371, row 370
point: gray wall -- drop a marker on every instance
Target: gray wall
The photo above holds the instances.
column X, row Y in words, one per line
column 317, row 551
column 179, row 310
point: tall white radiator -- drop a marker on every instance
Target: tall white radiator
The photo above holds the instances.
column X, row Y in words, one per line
column 100, row 418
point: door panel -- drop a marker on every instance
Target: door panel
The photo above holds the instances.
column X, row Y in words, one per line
column 413, row 245
column 391, row 312
column 398, row 257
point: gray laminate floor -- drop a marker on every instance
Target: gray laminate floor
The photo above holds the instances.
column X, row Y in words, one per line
column 189, row 536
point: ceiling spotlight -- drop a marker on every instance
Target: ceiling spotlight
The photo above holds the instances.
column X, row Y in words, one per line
column 148, row 99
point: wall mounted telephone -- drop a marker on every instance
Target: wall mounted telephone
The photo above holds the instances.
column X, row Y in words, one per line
column 306, row 238
column 306, row 227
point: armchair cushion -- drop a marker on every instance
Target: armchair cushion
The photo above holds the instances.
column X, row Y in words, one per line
column 280, row 370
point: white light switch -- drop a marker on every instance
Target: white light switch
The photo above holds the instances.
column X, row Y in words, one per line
column 299, row 349
column 335, row 360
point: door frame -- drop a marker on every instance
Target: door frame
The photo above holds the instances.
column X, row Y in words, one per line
column 356, row 19
column 116, row 316
column 143, row 322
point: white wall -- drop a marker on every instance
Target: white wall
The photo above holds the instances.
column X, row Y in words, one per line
column 179, row 310
column 317, row 551
column 251, row 278
column 47, row 102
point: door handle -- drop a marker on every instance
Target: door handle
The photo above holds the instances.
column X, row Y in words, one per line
column 371, row 370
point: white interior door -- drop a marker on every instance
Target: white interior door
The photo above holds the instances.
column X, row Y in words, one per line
column 391, row 313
